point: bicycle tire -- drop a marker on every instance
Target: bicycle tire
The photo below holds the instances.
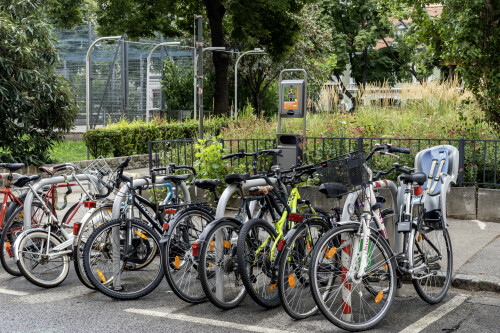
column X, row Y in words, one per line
column 13, row 227
column 217, row 262
column 181, row 271
column 433, row 285
column 258, row 272
column 35, row 240
column 97, row 217
column 133, row 283
column 363, row 304
column 293, row 273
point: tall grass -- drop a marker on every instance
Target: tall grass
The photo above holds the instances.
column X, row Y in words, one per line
column 432, row 110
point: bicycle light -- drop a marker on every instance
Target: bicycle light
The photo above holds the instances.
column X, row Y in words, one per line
column 281, row 244
column 170, row 211
column 196, row 249
column 76, row 228
column 165, row 226
column 351, row 209
column 418, row 190
column 295, row 218
column 90, row 204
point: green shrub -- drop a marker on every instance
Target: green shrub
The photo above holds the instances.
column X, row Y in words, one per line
column 131, row 138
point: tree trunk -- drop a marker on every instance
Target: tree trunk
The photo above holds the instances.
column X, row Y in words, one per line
column 215, row 14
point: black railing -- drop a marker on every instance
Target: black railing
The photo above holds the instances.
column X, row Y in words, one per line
column 478, row 159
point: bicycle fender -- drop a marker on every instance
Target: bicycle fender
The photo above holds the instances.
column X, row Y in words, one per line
column 27, row 232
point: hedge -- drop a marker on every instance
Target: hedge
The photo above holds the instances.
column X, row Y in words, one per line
column 131, row 138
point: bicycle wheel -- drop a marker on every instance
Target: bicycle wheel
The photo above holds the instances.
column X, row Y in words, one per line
column 36, row 262
column 217, row 267
column 13, row 227
column 432, row 251
column 293, row 274
column 93, row 219
column 348, row 301
column 257, row 255
column 180, row 269
column 114, row 272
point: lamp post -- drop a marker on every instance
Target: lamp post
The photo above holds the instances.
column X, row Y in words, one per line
column 199, row 76
column 149, row 95
column 254, row 51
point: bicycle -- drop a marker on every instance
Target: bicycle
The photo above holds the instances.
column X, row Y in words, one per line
column 43, row 254
column 353, row 269
column 120, row 257
column 260, row 242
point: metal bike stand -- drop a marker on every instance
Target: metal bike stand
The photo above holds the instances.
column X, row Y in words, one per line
column 220, row 212
column 115, row 214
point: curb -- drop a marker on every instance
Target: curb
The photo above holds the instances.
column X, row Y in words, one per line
column 476, row 282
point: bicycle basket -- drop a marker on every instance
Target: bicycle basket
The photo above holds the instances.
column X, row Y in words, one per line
column 347, row 170
column 100, row 173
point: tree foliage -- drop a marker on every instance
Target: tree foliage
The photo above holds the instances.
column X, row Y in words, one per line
column 466, row 33
column 36, row 103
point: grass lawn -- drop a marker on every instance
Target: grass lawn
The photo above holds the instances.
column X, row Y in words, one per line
column 69, row 151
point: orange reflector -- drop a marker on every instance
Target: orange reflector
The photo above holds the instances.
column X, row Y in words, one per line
column 90, row 204
column 295, row 218
column 281, row 244
column 196, row 248
column 331, row 253
column 379, row 296
column 140, row 234
column 291, row 281
column 308, row 246
column 21, row 215
column 170, row 211
column 419, row 238
column 271, row 287
column 165, row 226
column 385, row 267
column 103, row 279
column 110, row 211
column 211, row 246
column 76, row 228
column 418, row 190
column 177, row 262
column 227, row 244
column 8, row 247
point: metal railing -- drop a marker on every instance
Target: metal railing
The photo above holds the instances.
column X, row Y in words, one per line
column 478, row 161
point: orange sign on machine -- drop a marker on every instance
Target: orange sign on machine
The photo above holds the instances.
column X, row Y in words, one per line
column 291, row 101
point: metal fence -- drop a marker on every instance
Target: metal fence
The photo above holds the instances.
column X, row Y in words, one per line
column 478, row 159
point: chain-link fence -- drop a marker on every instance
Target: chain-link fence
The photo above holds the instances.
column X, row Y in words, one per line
column 118, row 80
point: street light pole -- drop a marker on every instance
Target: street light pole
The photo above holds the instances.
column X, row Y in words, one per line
column 149, row 95
column 254, row 51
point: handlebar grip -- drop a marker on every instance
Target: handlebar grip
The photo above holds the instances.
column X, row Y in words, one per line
column 58, row 166
column 124, row 164
column 101, row 196
column 305, row 167
column 399, row 150
column 225, row 157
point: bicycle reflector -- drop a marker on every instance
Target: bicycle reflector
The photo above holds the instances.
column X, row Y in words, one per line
column 281, row 244
column 165, row 226
column 196, row 249
column 295, row 218
column 90, row 204
column 170, row 211
column 418, row 190
column 76, row 228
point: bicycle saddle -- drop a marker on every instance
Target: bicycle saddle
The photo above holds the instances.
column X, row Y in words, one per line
column 20, row 182
column 333, row 190
column 417, row 177
column 177, row 178
column 207, row 184
column 12, row 166
column 236, row 178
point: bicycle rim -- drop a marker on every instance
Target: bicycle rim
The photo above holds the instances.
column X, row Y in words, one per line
column 36, row 265
column 350, row 303
column 257, row 255
column 219, row 275
column 432, row 250
column 115, row 273
column 180, row 269
column 293, row 275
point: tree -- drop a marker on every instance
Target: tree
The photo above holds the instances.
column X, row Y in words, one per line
column 270, row 23
column 466, row 33
column 356, row 27
column 36, row 104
